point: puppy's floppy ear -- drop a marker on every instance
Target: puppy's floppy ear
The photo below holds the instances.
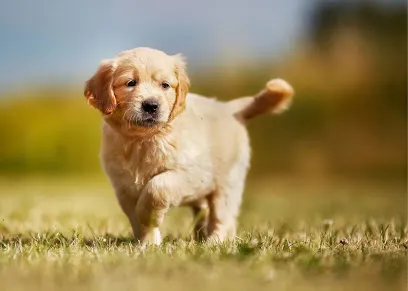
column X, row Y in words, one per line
column 99, row 89
column 182, row 87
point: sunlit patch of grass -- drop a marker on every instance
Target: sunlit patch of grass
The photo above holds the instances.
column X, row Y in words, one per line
column 70, row 234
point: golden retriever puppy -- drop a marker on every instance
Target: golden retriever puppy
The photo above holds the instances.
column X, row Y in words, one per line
column 164, row 147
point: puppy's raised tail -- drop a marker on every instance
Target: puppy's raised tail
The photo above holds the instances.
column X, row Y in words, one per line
column 274, row 99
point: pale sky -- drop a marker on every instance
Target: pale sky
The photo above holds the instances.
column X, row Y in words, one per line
column 43, row 41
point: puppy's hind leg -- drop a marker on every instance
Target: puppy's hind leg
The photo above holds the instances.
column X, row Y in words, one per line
column 224, row 209
column 200, row 213
column 226, row 200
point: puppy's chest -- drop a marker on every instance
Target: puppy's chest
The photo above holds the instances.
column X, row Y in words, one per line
column 144, row 160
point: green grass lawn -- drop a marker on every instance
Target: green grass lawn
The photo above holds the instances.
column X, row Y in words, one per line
column 66, row 234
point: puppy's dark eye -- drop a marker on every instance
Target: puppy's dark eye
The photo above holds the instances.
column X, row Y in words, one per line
column 165, row 85
column 131, row 83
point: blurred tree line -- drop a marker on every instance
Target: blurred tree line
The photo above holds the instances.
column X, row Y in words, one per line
column 348, row 118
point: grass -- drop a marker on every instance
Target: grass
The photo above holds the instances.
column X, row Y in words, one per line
column 66, row 234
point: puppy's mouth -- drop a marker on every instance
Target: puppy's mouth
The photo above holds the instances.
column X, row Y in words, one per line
column 148, row 121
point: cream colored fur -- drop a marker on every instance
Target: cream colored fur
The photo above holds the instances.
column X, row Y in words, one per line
column 196, row 153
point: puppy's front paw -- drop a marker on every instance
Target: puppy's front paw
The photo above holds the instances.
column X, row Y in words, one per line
column 153, row 237
column 157, row 239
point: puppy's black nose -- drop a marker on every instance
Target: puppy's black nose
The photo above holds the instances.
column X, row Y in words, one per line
column 150, row 106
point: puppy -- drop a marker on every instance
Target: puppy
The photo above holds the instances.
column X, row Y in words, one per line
column 164, row 147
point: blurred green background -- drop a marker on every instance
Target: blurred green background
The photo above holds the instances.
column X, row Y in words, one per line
column 348, row 119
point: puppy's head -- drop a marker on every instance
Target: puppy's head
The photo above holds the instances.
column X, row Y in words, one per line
column 139, row 88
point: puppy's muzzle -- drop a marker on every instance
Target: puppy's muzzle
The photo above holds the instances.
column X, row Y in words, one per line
column 150, row 106
column 150, row 112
